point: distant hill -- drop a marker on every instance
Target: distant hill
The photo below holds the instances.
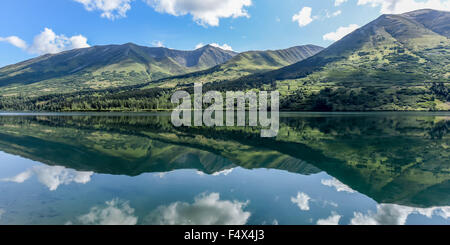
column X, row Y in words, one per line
column 103, row 67
column 244, row 64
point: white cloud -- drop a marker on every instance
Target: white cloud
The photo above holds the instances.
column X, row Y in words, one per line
column 111, row 9
column 331, row 15
column 332, row 220
column 116, row 212
column 204, row 12
column 331, row 203
column 76, row 42
column 200, row 45
column 52, row 176
column 340, row 32
column 402, row 6
column 303, row 17
column 334, row 14
column 339, row 2
column 224, row 46
column 302, row 201
column 49, row 42
column 337, row 184
column 20, row 178
column 392, row 214
column 158, row 44
column 16, row 41
column 2, row 211
column 206, row 210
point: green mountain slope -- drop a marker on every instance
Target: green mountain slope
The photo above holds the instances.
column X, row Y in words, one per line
column 244, row 64
column 104, row 67
column 388, row 64
column 437, row 21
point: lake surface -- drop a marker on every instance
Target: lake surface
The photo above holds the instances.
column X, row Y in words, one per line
column 336, row 168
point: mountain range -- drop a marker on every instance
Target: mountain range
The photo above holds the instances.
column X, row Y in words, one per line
column 107, row 66
column 396, row 62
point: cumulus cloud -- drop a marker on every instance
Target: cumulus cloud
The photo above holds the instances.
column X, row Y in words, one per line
column 2, row 211
column 332, row 220
column 14, row 40
column 392, row 214
column 200, row 45
column 115, row 212
column 339, row 2
column 204, row 12
column 48, row 42
column 111, row 9
column 158, row 44
column 206, row 210
column 339, row 186
column 302, row 201
column 20, row 178
column 340, row 32
column 303, row 18
column 52, row 176
column 402, row 6
column 224, row 46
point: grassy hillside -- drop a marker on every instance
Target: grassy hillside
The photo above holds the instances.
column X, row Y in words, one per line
column 243, row 64
column 392, row 63
column 103, row 67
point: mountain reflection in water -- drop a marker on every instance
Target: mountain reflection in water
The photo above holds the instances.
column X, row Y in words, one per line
column 353, row 168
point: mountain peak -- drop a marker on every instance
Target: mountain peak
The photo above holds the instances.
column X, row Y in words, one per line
column 435, row 20
column 130, row 44
column 424, row 11
column 140, row 61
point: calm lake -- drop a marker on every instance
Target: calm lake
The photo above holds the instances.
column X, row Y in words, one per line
column 335, row 168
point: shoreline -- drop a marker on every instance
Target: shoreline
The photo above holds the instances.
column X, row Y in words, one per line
column 159, row 113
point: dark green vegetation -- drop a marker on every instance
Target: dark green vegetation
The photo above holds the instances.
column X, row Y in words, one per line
column 396, row 62
column 392, row 158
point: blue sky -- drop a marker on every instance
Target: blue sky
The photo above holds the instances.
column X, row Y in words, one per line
column 29, row 28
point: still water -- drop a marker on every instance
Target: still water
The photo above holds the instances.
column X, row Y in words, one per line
column 352, row 168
